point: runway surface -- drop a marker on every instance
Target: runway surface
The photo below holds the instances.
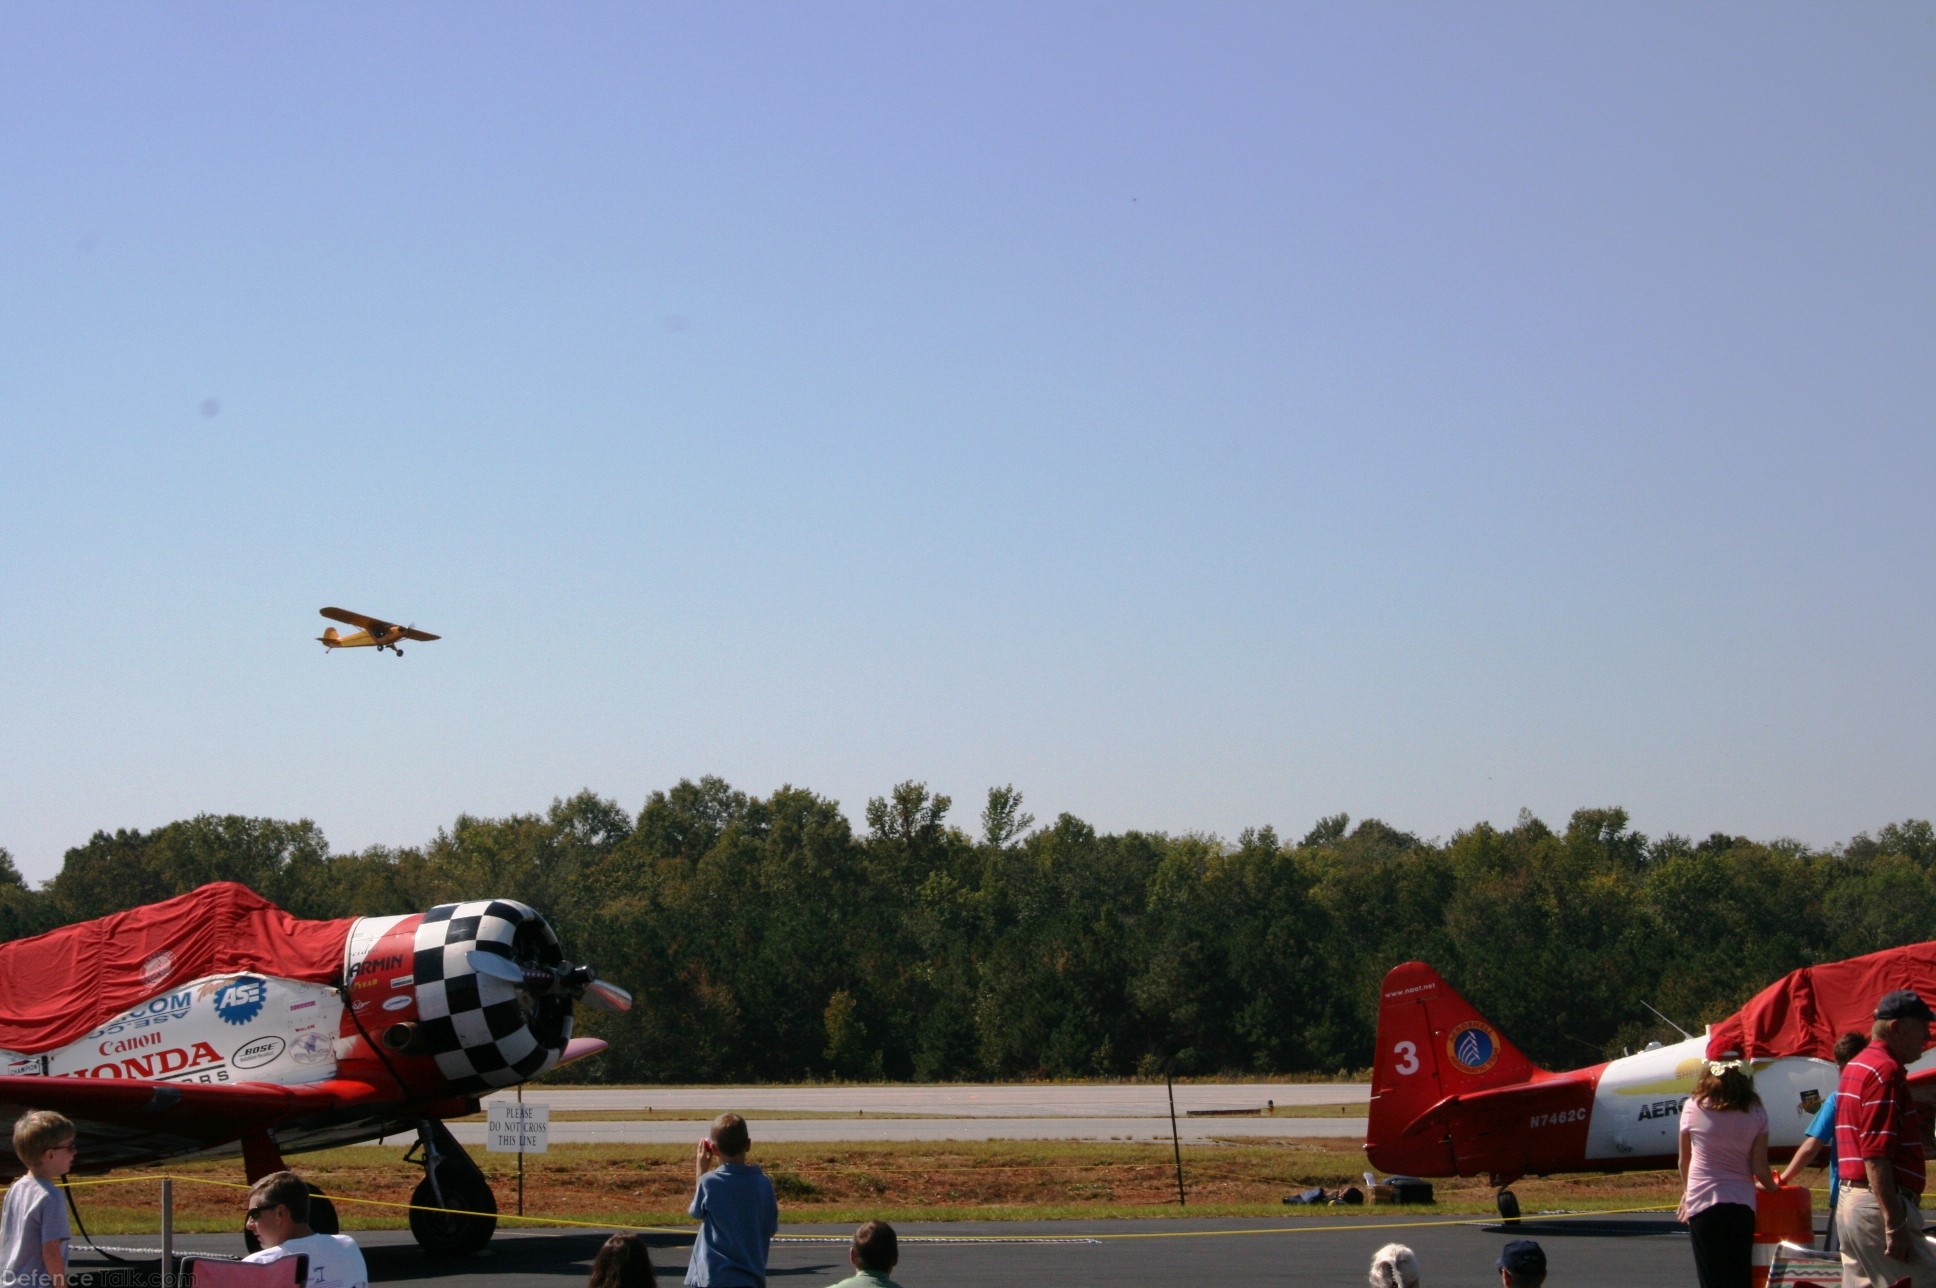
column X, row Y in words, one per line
column 680, row 1132
column 1598, row 1252
column 1002, row 1100
column 1026, row 1112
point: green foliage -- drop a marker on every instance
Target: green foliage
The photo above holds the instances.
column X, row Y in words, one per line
column 763, row 939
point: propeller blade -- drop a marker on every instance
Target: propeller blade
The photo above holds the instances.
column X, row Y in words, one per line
column 601, row 996
column 495, row 966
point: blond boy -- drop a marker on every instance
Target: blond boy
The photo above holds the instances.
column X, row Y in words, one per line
column 734, row 1205
column 33, row 1222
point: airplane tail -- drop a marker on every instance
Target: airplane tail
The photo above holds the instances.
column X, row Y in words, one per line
column 328, row 638
column 1432, row 1044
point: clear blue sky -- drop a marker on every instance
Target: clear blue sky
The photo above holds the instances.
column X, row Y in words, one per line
column 1200, row 416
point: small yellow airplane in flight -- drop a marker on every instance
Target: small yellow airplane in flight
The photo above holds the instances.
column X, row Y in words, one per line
column 376, row 632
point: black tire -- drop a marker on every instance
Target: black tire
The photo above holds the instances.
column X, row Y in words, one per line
column 455, row 1233
column 322, row 1213
column 1508, row 1205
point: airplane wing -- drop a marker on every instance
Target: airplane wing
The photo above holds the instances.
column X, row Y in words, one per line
column 412, row 633
column 125, row 1121
column 348, row 618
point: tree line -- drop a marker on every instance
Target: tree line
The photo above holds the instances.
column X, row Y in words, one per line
column 768, row 939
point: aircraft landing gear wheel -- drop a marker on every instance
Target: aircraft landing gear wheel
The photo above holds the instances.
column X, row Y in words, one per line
column 1508, row 1205
column 457, row 1233
column 322, row 1213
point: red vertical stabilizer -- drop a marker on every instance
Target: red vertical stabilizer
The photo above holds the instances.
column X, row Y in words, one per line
column 1431, row 1044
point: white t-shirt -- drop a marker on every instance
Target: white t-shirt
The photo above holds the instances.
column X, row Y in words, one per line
column 334, row 1260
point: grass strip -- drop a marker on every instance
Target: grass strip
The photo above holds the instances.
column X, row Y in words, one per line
column 895, row 1180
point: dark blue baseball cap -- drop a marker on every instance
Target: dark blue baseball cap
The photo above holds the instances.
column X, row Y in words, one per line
column 1523, row 1257
column 1903, row 1004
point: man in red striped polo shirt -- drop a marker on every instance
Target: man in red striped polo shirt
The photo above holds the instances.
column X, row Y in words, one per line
column 1879, row 1146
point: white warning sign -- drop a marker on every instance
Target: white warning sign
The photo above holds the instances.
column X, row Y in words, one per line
column 516, row 1128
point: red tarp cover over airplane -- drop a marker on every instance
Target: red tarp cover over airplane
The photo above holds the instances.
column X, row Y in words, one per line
column 1804, row 1011
column 55, row 987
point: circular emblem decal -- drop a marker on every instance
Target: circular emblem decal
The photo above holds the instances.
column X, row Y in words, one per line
column 311, row 1048
column 1473, row 1046
column 240, row 1000
column 156, row 968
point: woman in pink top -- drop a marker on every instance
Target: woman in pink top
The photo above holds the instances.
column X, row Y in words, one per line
column 1724, row 1157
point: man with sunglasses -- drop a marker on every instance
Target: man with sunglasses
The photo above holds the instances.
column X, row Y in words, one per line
column 279, row 1215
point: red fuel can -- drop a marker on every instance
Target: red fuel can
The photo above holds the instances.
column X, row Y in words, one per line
column 1786, row 1215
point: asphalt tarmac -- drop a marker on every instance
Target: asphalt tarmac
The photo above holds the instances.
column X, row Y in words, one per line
column 1588, row 1252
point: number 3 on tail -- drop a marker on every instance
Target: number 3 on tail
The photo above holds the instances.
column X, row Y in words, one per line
column 1407, row 1053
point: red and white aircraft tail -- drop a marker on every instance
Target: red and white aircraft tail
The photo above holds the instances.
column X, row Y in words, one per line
column 1433, row 1048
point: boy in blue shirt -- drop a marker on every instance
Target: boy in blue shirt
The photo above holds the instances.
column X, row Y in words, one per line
column 1820, row 1135
column 735, row 1207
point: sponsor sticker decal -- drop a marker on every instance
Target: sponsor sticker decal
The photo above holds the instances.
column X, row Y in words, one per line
column 302, row 1006
column 310, row 1048
column 198, row 1062
column 168, row 1006
column 120, row 1046
column 366, row 973
column 1473, row 1046
column 240, row 1000
column 253, row 1055
column 400, row 981
column 396, row 1003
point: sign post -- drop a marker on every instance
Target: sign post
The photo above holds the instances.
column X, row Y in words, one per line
column 167, row 1233
column 520, row 1128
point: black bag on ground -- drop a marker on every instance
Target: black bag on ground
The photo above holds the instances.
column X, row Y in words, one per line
column 1409, row 1189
